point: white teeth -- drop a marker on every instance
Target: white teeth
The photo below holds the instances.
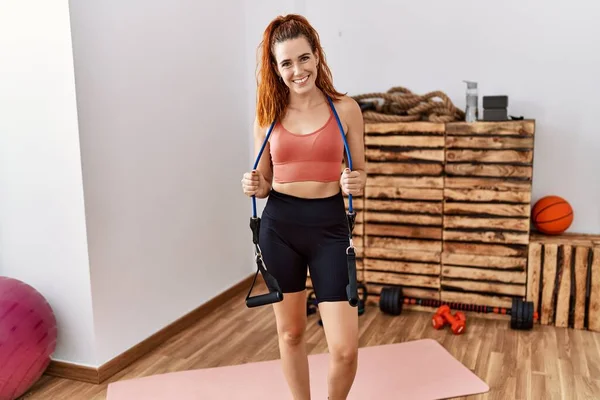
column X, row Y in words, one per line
column 302, row 80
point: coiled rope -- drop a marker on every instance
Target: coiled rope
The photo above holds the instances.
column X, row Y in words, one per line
column 401, row 105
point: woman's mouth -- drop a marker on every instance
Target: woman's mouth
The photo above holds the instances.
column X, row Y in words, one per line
column 301, row 81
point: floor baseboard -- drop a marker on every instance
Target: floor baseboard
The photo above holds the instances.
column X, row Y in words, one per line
column 77, row 372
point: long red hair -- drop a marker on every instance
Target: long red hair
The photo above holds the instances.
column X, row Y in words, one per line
column 272, row 93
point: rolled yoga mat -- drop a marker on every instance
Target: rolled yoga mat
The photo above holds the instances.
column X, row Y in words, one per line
column 416, row 370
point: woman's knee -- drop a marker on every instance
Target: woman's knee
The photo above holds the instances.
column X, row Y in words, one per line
column 344, row 353
column 292, row 335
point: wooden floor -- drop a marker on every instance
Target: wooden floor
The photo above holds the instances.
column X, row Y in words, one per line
column 545, row 363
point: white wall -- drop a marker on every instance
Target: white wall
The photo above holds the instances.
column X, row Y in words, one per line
column 42, row 221
column 542, row 54
column 163, row 102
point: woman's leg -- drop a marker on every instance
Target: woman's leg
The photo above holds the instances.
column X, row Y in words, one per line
column 278, row 238
column 329, row 274
column 340, row 321
column 290, row 315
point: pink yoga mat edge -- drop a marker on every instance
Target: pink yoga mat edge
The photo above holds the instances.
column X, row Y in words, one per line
column 420, row 369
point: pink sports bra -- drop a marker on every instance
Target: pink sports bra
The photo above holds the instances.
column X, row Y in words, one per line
column 316, row 156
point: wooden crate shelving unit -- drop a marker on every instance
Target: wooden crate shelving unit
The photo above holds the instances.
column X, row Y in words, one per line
column 564, row 280
column 446, row 209
column 487, row 201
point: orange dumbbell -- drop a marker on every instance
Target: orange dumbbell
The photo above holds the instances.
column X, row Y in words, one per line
column 443, row 316
column 461, row 321
column 438, row 320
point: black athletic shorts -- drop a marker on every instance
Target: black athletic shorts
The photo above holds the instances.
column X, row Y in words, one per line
column 298, row 233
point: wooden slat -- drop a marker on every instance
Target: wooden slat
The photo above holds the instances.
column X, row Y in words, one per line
column 534, row 270
column 488, row 209
column 484, row 261
column 402, row 267
column 505, row 195
column 485, row 249
column 405, row 127
column 405, row 141
column 481, row 274
column 404, row 206
column 435, row 182
column 581, row 269
column 489, row 156
column 358, row 228
column 410, row 169
column 496, row 142
column 563, row 300
column 459, row 182
column 573, row 239
column 594, row 308
column 482, row 287
column 390, row 278
column 384, row 192
column 406, row 231
column 497, row 170
column 403, row 254
column 405, row 244
column 397, row 218
column 404, row 155
column 487, row 237
column 548, row 279
column 359, row 251
column 516, row 128
column 513, row 224
column 358, row 241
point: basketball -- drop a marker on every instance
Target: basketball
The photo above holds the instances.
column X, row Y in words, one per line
column 552, row 215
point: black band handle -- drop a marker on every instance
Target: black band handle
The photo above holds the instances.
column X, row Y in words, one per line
column 351, row 288
column 264, row 299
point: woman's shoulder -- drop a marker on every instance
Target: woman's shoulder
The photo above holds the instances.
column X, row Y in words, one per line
column 347, row 105
column 348, row 109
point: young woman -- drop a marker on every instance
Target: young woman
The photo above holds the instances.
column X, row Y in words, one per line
column 304, row 222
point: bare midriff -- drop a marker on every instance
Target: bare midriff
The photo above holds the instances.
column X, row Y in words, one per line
column 308, row 189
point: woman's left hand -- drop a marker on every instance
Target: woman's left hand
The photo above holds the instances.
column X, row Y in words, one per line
column 351, row 182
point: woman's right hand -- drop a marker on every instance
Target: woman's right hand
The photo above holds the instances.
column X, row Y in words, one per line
column 252, row 182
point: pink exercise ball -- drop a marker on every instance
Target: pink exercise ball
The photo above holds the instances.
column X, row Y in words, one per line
column 27, row 337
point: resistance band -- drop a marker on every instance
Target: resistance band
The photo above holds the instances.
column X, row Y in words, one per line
column 275, row 294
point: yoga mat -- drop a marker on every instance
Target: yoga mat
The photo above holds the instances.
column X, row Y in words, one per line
column 416, row 370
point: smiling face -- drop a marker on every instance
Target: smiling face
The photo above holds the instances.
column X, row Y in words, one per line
column 296, row 64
